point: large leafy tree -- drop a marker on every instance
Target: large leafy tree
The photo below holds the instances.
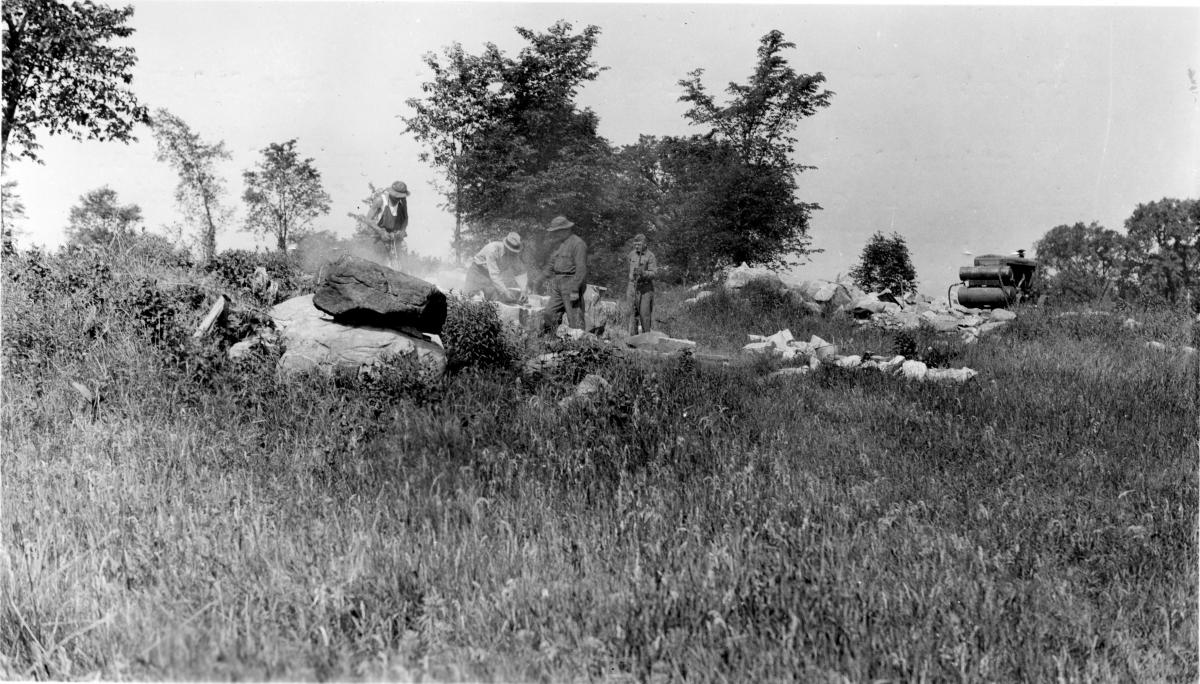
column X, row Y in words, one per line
column 1081, row 262
column 513, row 146
column 885, row 263
column 62, row 75
column 1165, row 239
column 284, row 194
column 200, row 188
column 99, row 219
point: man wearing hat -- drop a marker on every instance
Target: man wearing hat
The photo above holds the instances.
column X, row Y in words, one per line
column 565, row 274
column 494, row 270
column 640, row 293
column 389, row 217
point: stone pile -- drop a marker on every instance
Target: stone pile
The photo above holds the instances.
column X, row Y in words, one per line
column 817, row 351
column 880, row 309
column 598, row 313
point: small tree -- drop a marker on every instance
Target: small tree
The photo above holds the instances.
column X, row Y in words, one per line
column 885, row 263
column 200, row 189
column 284, row 195
column 733, row 188
column 99, row 220
column 61, row 75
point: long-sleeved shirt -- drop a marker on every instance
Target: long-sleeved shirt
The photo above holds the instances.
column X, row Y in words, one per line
column 642, row 267
column 569, row 259
column 502, row 265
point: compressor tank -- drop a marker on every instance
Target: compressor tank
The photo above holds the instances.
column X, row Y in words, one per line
column 987, row 297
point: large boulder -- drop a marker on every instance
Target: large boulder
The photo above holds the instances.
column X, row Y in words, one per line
column 357, row 291
column 314, row 341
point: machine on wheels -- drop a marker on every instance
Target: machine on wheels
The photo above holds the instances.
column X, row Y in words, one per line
column 995, row 281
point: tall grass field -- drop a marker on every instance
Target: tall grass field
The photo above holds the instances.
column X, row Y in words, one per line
column 171, row 514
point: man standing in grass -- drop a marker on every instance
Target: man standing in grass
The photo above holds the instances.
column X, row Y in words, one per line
column 565, row 275
column 494, row 270
column 640, row 293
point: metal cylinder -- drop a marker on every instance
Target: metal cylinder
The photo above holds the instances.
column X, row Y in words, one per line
column 987, row 297
column 1001, row 275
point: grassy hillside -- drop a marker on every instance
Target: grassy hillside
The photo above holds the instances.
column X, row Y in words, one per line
column 196, row 519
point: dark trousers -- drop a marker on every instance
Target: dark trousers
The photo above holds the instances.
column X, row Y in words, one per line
column 478, row 280
column 640, row 302
column 559, row 302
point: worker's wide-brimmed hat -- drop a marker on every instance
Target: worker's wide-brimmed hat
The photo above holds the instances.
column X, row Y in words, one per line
column 559, row 223
column 513, row 242
column 398, row 189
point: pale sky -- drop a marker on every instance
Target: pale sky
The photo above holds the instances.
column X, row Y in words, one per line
column 960, row 128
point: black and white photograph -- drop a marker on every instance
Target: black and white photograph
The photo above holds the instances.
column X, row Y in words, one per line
column 599, row 342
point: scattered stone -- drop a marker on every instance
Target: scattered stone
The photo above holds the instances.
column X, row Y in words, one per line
column 989, row 327
column 780, row 339
column 848, row 361
column 656, row 341
column 700, row 296
column 950, row 374
column 789, row 372
column 1156, row 346
column 914, row 370
column 825, row 293
column 1188, row 350
column 1003, row 315
column 821, row 349
column 760, row 347
column 588, row 389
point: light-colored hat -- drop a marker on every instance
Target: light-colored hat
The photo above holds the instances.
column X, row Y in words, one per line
column 640, row 238
column 559, row 223
column 513, row 242
column 398, row 189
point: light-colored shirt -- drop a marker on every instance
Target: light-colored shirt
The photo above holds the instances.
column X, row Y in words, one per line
column 502, row 264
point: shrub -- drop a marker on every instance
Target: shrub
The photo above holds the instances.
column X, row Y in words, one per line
column 474, row 335
column 927, row 345
column 236, row 268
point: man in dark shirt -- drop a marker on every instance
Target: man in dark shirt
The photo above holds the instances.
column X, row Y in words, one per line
column 565, row 275
column 389, row 216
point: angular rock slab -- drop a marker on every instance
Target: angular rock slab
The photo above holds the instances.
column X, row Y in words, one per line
column 357, row 291
column 313, row 341
column 656, row 341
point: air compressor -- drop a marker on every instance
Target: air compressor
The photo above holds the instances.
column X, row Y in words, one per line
column 995, row 281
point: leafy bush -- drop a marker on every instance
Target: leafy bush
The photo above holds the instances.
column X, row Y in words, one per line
column 474, row 335
column 236, row 268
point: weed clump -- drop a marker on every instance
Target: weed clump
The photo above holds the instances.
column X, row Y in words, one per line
column 474, row 336
column 927, row 345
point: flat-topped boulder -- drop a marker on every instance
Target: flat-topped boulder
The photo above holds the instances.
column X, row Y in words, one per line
column 357, row 291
